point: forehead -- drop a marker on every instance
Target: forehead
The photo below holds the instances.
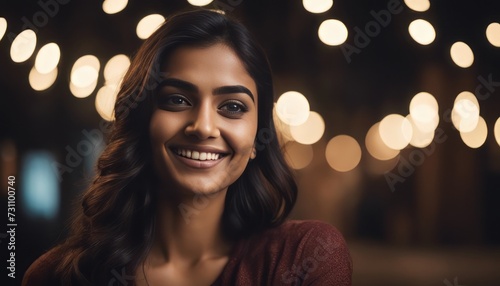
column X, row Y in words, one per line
column 212, row 66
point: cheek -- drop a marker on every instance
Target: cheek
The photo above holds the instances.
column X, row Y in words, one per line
column 241, row 138
column 162, row 127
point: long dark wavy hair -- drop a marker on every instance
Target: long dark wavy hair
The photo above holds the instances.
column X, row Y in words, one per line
column 113, row 230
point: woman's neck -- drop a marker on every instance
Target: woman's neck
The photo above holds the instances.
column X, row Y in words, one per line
column 189, row 230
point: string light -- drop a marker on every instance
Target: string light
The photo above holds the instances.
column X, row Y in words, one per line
column 317, row 6
column 148, row 25
column 292, row 108
column 422, row 32
column 343, row 153
column 462, row 54
column 23, row 46
column 332, row 32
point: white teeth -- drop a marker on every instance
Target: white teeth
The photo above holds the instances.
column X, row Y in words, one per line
column 196, row 155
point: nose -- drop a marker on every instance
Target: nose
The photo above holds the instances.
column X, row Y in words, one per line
column 203, row 123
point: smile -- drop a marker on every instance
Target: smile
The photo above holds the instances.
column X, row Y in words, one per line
column 198, row 155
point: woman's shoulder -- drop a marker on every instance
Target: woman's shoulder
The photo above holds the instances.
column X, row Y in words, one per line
column 306, row 252
column 41, row 271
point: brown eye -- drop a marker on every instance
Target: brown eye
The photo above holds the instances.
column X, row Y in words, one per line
column 233, row 109
column 173, row 102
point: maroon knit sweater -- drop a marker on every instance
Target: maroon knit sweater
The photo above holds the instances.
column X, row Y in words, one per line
column 294, row 253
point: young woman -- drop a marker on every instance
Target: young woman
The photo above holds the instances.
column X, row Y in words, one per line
column 192, row 188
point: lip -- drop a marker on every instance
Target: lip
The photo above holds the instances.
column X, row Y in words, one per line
column 198, row 164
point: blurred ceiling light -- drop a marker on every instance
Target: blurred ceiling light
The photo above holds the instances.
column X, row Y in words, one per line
column 422, row 32
column 115, row 69
column 465, row 115
column 343, row 153
column 492, row 34
column 310, row 131
column 23, row 46
column 148, row 25
column 297, row 155
column 332, row 32
column 39, row 81
column 419, row 138
column 418, row 5
column 200, row 2
column 317, row 6
column 47, row 58
column 85, row 71
column 424, row 111
column 376, row 147
column 292, row 108
column 396, row 131
column 496, row 131
column 114, row 6
column 3, row 27
column 461, row 54
column 105, row 101
column 476, row 137
column 82, row 92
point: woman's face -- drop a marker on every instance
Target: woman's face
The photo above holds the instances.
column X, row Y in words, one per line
column 204, row 125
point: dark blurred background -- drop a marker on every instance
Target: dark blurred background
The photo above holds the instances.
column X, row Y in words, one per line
column 434, row 222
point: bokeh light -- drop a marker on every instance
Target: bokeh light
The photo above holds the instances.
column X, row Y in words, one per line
column 3, row 27
column 492, row 34
column 105, row 101
column 282, row 129
column 476, row 137
column 420, row 138
column 114, row 6
column 376, row 147
column 47, row 58
column 115, row 69
column 297, row 155
column 85, row 71
column 23, row 46
column 343, row 153
column 310, row 131
column 422, row 32
column 317, row 6
column 418, row 5
column 39, row 81
column 465, row 115
column 462, row 54
column 292, row 108
column 41, row 194
column 396, row 131
column 200, row 2
column 82, row 92
column 496, row 130
column 424, row 111
column 148, row 25
column 332, row 32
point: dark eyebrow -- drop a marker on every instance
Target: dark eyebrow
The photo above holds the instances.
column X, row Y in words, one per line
column 187, row 86
column 233, row 89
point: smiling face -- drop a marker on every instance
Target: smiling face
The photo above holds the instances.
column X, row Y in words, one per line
column 203, row 128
